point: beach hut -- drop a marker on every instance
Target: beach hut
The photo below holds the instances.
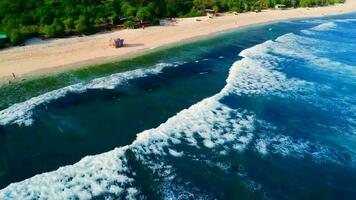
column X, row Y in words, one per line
column 117, row 43
column 280, row 6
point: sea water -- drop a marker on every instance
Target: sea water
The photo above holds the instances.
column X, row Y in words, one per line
column 266, row 112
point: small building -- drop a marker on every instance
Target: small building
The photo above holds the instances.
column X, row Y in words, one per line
column 116, row 43
column 280, row 6
column 4, row 38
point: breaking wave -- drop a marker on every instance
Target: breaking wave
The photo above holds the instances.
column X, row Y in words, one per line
column 21, row 113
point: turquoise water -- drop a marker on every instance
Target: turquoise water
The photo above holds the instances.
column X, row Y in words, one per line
column 264, row 112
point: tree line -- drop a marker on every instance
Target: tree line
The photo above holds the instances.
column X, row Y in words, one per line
column 22, row 19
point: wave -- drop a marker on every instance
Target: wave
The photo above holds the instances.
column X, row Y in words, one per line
column 256, row 73
column 209, row 124
column 292, row 46
column 21, row 113
column 325, row 26
column 321, row 22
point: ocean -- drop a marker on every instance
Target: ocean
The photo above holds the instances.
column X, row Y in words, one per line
column 261, row 112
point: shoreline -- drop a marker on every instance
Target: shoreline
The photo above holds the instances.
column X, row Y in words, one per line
column 46, row 57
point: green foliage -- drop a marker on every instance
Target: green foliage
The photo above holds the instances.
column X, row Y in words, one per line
column 83, row 25
column 16, row 37
column 21, row 19
column 29, row 30
column 129, row 24
column 69, row 25
column 204, row 4
column 2, row 44
column 194, row 13
column 304, row 3
column 143, row 13
column 128, row 10
column 57, row 29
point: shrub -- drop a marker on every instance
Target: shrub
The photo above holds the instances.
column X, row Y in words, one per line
column 16, row 38
column 83, row 25
column 129, row 24
column 2, row 44
column 29, row 31
column 194, row 13
column 57, row 29
column 69, row 25
column 143, row 13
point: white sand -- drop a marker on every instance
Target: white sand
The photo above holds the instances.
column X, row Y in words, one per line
column 54, row 55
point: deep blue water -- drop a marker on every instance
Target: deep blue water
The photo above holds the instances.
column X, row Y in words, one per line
column 265, row 112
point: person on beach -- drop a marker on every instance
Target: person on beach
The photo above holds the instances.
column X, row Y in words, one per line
column 142, row 24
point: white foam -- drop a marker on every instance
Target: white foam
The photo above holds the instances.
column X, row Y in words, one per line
column 312, row 53
column 298, row 148
column 92, row 176
column 21, row 113
column 175, row 153
column 324, row 27
column 345, row 20
column 272, row 141
column 256, row 73
column 307, row 49
column 208, row 121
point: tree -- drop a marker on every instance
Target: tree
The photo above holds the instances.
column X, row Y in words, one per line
column 203, row 4
column 56, row 29
column 143, row 13
column 69, row 24
column 83, row 25
column 304, row 3
column 128, row 10
column 59, row 27
column 129, row 24
column 173, row 7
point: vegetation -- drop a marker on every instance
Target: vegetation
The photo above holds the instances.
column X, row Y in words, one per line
column 21, row 19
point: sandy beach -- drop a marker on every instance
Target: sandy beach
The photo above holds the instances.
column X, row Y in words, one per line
column 41, row 57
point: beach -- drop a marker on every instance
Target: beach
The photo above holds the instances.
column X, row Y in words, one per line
column 43, row 57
